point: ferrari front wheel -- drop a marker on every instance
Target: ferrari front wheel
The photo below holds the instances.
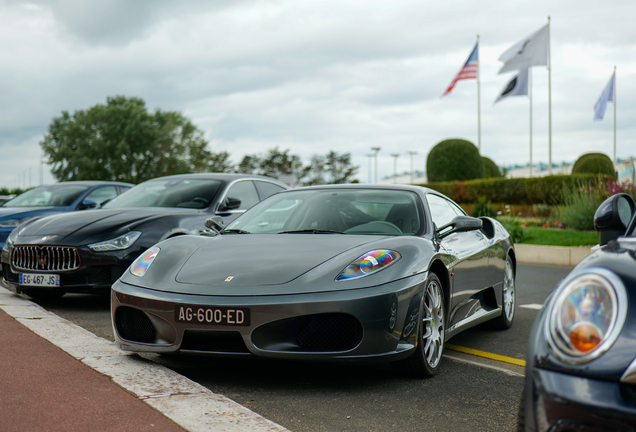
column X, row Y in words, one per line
column 508, row 298
column 425, row 361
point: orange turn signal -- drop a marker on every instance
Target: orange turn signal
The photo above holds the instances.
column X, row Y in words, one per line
column 584, row 337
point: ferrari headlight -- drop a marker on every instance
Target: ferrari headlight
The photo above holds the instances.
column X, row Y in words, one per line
column 586, row 315
column 369, row 263
column 140, row 266
column 120, row 243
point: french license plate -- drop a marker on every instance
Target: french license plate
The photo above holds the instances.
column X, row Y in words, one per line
column 42, row 280
column 212, row 315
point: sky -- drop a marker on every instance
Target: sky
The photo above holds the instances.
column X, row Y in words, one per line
column 320, row 75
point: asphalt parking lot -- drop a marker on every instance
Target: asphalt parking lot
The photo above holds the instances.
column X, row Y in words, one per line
column 478, row 390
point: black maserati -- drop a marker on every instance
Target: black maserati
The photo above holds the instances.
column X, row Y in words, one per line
column 88, row 251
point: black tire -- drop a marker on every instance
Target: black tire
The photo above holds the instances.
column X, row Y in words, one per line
column 43, row 294
column 509, row 299
column 425, row 361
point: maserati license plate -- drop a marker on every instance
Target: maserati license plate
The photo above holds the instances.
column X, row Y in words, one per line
column 41, row 280
column 212, row 315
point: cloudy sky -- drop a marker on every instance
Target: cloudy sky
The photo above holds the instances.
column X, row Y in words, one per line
column 320, row 75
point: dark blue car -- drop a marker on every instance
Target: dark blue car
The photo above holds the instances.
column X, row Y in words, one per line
column 581, row 360
column 56, row 198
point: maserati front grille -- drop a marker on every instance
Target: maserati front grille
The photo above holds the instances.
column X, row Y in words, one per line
column 45, row 258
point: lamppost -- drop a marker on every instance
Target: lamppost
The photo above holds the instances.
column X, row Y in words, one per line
column 370, row 168
column 412, row 153
column 395, row 156
column 376, row 150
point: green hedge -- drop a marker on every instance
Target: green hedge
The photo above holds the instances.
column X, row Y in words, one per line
column 14, row 191
column 536, row 190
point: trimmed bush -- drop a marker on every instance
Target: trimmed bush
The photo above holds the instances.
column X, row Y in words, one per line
column 594, row 163
column 454, row 159
column 537, row 190
column 490, row 168
column 483, row 208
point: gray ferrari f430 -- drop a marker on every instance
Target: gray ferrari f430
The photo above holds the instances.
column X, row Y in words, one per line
column 341, row 272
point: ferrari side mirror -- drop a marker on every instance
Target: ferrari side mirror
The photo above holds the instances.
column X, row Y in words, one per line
column 215, row 223
column 460, row 224
column 229, row 204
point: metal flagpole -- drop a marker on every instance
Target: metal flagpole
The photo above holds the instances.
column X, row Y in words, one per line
column 615, row 160
column 478, row 102
column 530, row 97
column 549, row 102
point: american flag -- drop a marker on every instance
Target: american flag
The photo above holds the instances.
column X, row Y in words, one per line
column 469, row 71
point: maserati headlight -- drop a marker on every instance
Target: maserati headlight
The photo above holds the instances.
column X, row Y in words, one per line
column 140, row 266
column 369, row 263
column 120, row 243
column 586, row 315
column 12, row 223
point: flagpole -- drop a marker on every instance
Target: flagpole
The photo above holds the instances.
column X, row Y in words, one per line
column 549, row 102
column 615, row 160
column 478, row 102
column 530, row 97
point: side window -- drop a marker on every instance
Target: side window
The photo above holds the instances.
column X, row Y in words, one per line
column 100, row 195
column 266, row 189
column 458, row 209
column 246, row 192
column 441, row 210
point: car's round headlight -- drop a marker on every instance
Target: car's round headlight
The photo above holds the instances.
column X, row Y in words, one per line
column 586, row 315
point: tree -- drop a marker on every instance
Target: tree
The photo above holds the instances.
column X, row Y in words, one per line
column 594, row 163
column 122, row 141
column 453, row 160
column 217, row 162
column 490, row 168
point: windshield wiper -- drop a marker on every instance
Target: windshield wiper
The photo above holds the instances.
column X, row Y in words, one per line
column 311, row 231
column 237, row 231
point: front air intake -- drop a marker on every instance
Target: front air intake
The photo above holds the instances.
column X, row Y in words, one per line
column 134, row 325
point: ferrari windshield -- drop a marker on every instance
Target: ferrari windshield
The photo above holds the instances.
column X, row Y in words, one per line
column 48, row 196
column 185, row 193
column 338, row 211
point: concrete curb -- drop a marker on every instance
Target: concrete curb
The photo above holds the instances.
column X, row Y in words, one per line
column 554, row 255
column 187, row 403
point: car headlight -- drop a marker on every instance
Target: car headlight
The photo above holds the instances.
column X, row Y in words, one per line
column 12, row 223
column 586, row 315
column 120, row 243
column 369, row 263
column 140, row 266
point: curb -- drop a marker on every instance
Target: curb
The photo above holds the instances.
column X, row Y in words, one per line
column 189, row 404
column 554, row 255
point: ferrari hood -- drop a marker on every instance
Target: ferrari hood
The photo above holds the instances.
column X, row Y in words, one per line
column 91, row 222
column 249, row 260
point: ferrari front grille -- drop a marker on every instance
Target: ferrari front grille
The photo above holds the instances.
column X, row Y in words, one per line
column 329, row 332
column 134, row 325
column 45, row 258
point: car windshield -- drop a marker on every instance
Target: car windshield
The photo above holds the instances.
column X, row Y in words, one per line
column 342, row 211
column 48, row 196
column 175, row 192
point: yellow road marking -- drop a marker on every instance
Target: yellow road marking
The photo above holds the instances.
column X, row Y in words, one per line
column 486, row 355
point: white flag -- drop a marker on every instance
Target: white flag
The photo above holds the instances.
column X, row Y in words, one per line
column 517, row 86
column 531, row 51
column 606, row 96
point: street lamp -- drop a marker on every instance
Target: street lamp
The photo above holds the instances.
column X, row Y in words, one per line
column 412, row 153
column 376, row 150
column 395, row 156
column 370, row 168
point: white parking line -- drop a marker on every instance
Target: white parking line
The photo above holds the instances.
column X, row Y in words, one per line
column 484, row 365
column 187, row 403
column 534, row 306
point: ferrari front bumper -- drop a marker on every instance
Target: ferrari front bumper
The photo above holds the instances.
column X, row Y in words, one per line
column 370, row 324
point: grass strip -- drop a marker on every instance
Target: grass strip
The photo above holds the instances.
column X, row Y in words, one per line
column 555, row 237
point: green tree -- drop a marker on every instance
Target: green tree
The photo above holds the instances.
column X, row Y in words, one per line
column 123, row 141
column 594, row 163
column 490, row 168
column 452, row 160
column 217, row 162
